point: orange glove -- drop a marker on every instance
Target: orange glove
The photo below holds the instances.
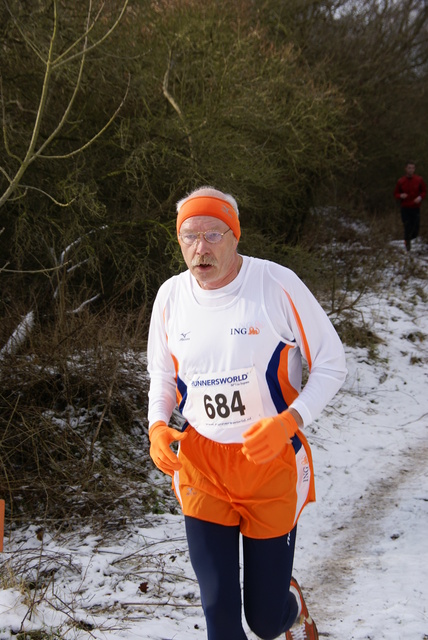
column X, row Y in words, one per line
column 161, row 436
column 265, row 439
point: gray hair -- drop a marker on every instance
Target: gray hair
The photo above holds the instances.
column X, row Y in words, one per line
column 210, row 192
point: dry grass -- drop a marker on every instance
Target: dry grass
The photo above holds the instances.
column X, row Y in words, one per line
column 73, row 405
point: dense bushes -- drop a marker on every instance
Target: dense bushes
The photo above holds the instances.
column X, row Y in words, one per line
column 211, row 101
column 285, row 104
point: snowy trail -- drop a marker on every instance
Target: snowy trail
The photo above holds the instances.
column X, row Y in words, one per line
column 363, row 556
column 351, row 545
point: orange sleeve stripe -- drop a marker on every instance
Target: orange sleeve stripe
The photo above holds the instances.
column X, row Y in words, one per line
column 302, row 331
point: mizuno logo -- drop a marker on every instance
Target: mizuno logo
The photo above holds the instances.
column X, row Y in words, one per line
column 226, row 209
column 184, row 336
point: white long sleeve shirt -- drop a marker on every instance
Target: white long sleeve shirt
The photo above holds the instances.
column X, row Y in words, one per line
column 228, row 357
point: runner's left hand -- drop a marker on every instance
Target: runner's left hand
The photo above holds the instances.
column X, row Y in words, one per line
column 265, row 439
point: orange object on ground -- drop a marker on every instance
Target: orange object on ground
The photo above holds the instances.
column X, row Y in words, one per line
column 1, row 524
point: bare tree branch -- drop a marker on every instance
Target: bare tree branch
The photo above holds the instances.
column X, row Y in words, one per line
column 4, row 129
column 60, row 61
column 19, row 335
column 89, row 142
column 45, row 271
column 174, row 104
column 51, row 63
column 48, row 195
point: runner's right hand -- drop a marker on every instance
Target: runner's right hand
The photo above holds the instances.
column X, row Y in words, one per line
column 161, row 437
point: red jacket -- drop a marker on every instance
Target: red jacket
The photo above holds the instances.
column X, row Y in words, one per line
column 414, row 186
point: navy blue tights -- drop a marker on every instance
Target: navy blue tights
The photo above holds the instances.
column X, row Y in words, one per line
column 269, row 607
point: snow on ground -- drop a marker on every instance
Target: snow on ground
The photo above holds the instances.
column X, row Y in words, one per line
column 361, row 557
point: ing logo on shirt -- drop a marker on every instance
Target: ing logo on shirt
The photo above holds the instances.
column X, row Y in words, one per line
column 245, row 331
column 306, row 469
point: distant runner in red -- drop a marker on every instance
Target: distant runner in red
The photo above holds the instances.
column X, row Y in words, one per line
column 409, row 192
column 226, row 343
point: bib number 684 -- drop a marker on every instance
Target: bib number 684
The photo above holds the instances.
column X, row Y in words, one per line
column 219, row 406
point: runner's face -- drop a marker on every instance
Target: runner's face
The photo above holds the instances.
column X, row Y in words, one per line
column 213, row 265
column 410, row 169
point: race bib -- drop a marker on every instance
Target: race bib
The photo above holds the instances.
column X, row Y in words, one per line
column 225, row 399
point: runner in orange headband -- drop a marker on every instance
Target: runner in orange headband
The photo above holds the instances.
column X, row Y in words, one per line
column 226, row 342
column 209, row 206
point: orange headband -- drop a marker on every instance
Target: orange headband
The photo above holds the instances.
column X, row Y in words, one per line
column 210, row 206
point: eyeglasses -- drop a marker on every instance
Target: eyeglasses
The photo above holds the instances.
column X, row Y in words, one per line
column 213, row 237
